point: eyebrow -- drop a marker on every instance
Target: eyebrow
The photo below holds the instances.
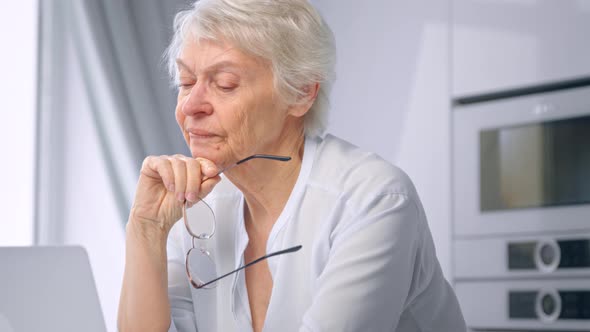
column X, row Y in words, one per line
column 213, row 67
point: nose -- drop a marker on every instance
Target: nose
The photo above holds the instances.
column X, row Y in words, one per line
column 197, row 101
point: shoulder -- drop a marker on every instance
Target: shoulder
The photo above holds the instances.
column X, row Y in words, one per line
column 342, row 167
column 365, row 190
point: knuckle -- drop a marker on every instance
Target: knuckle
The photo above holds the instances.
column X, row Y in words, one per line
column 151, row 162
column 176, row 163
column 148, row 161
column 194, row 166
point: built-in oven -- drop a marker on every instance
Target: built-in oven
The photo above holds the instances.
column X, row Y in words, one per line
column 521, row 210
column 522, row 165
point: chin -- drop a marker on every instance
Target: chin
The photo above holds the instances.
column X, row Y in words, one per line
column 207, row 153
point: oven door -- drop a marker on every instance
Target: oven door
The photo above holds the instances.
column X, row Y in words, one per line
column 522, row 165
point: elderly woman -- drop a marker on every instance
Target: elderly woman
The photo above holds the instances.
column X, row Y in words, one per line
column 254, row 78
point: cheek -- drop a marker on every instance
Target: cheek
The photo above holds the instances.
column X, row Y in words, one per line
column 230, row 111
column 235, row 122
column 244, row 125
column 260, row 115
column 178, row 113
column 180, row 117
column 248, row 119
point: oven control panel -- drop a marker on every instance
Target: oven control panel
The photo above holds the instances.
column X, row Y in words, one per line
column 549, row 255
column 526, row 305
column 564, row 255
column 549, row 305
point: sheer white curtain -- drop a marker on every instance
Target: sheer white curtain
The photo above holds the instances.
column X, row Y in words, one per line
column 18, row 35
column 104, row 104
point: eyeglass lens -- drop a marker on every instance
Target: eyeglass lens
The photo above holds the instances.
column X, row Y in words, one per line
column 200, row 222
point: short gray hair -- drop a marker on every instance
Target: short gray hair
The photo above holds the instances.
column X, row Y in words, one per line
column 290, row 34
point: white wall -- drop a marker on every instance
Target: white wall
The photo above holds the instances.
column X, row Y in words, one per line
column 18, row 37
column 392, row 95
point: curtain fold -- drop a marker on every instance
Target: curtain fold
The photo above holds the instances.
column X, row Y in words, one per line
column 116, row 48
column 52, row 59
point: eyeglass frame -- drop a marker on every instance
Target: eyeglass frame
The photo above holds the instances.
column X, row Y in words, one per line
column 205, row 236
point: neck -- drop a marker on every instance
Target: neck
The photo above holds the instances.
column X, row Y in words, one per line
column 267, row 184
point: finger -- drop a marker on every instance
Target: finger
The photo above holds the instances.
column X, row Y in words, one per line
column 159, row 168
column 193, row 179
column 179, row 168
column 208, row 168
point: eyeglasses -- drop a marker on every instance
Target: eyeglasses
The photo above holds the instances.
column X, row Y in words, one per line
column 200, row 223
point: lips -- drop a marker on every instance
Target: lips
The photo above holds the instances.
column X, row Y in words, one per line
column 199, row 133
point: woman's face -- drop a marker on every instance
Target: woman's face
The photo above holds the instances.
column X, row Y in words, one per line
column 227, row 109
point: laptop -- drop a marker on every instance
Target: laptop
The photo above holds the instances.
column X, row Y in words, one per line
column 48, row 289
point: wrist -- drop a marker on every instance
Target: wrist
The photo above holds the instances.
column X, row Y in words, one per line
column 147, row 230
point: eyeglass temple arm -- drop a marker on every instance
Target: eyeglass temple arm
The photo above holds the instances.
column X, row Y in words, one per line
column 256, row 156
column 276, row 253
column 264, row 156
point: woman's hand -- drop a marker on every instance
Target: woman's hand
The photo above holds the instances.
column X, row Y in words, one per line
column 165, row 182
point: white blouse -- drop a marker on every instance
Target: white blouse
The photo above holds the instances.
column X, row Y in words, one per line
column 368, row 261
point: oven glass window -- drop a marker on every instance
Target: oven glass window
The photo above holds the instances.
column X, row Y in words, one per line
column 542, row 164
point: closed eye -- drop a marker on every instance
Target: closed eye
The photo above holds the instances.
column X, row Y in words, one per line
column 226, row 88
column 185, row 85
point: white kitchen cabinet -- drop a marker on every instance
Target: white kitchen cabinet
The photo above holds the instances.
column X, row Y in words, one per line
column 506, row 44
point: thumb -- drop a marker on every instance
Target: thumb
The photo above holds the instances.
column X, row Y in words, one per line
column 208, row 168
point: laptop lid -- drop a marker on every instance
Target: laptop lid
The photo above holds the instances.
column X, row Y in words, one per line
column 48, row 289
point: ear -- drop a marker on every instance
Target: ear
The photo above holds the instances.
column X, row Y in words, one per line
column 305, row 100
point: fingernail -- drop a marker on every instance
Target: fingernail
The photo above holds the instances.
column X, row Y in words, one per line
column 180, row 197
column 191, row 197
